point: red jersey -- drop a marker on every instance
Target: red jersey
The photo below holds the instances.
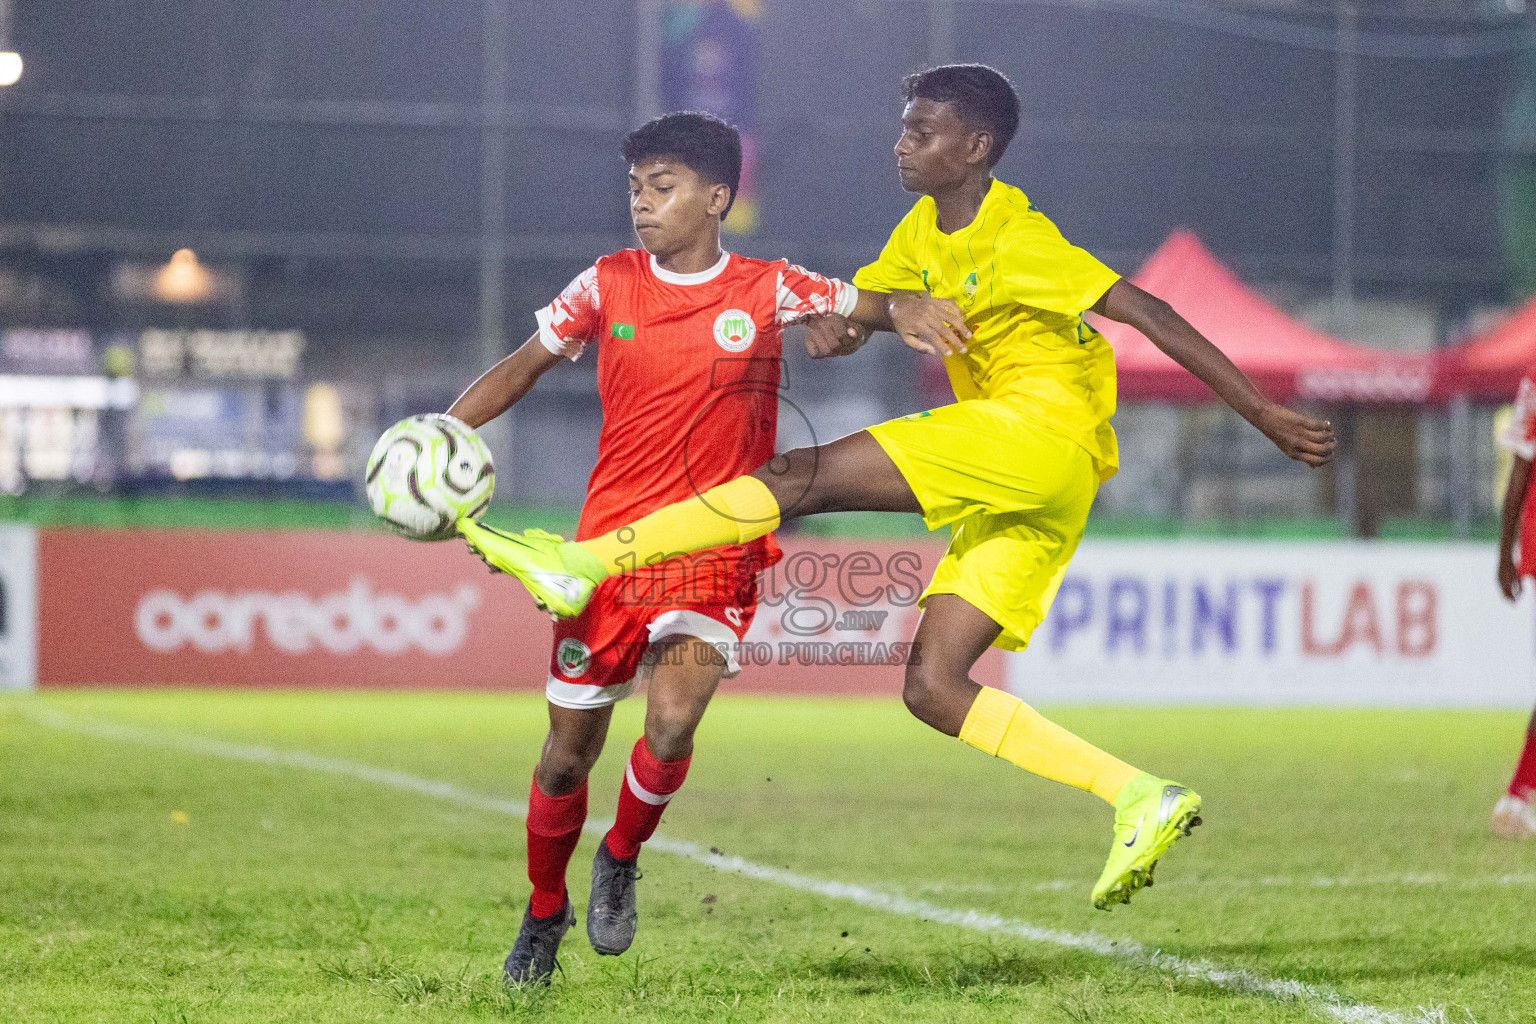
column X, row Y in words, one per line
column 688, row 370
column 1518, row 436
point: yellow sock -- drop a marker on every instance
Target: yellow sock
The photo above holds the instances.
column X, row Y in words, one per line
column 1004, row 726
column 738, row 511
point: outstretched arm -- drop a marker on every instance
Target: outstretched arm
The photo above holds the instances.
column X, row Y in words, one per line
column 503, row 385
column 1303, row 439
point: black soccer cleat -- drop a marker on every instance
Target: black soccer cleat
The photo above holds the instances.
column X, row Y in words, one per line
column 611, row 914
column 538, row 940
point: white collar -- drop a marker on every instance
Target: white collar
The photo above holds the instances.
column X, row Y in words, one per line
column 702, row 276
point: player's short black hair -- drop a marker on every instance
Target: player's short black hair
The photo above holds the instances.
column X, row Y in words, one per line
column 704, row 143
column 983, row 97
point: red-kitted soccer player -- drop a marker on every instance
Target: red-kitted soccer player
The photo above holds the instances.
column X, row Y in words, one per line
column 688, row 343
column 1514, row 815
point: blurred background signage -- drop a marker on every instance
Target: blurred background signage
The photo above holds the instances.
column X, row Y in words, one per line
column 248, row 355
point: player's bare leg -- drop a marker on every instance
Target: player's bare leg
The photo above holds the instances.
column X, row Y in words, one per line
column 951, row 637
column 557, row 808
column 683, row 681
column 571, row 747
column 851, row 474
column 1150, row 813
column 685, row 672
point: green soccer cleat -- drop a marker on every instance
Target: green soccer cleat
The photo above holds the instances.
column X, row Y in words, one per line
column 1150, row 814
column 560, row 576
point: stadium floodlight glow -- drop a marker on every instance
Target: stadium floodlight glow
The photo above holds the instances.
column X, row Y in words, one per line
column 183, row 279
column 10, row 60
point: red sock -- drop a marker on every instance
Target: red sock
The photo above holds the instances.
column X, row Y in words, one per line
column 1523, row 785
column 648, row 785
column 554, row 826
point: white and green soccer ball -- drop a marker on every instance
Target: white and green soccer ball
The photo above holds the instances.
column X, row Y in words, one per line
column 428, row 472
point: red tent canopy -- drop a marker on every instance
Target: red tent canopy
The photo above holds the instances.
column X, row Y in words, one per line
column 1286, row 359
column 1491, row 364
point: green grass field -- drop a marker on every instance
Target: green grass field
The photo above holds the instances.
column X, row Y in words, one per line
column 146, row 875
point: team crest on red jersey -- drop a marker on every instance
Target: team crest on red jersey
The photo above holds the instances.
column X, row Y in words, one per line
column 574, row 657
column 734, row 330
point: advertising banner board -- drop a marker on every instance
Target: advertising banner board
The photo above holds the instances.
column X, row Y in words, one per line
column 278, row 609
column 292, row 609
column 1248, row 623
column 1134, row 621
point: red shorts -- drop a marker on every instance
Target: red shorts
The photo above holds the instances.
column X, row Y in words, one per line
column 599, row 656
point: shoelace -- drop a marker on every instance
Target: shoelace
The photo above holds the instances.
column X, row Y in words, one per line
column 630, row 873
column 544, row 940
column 626, row 875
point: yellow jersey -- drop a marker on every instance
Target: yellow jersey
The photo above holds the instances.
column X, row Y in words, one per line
column 1023, row 289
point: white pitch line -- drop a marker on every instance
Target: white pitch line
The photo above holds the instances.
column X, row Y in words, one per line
column 1422, row 879
column 1238, row 979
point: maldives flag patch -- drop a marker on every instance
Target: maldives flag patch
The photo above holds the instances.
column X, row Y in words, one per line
column 625, row 331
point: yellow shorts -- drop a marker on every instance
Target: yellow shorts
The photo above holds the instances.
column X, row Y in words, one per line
column 1017, row 493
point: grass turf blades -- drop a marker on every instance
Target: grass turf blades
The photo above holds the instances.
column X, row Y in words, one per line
column 1348, row 851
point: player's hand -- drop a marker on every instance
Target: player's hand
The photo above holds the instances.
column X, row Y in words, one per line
column 1509, row 576
column 934, row 326
column 833, row 335
column 1303, row 439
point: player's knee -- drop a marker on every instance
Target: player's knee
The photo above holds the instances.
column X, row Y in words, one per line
column 669, row 736
column 922, row 691
column 565, row 766
column 561, row 777
column 669, row 726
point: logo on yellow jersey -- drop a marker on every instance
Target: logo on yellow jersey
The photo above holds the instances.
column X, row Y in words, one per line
column 970, row 286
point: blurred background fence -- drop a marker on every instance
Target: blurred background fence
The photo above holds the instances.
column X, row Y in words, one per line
column 236, row 239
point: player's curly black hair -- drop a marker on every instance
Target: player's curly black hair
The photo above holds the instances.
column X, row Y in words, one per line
column 983, row 98
column 708, row 146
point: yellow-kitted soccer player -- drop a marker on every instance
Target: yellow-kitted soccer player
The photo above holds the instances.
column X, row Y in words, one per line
column 977, row 275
